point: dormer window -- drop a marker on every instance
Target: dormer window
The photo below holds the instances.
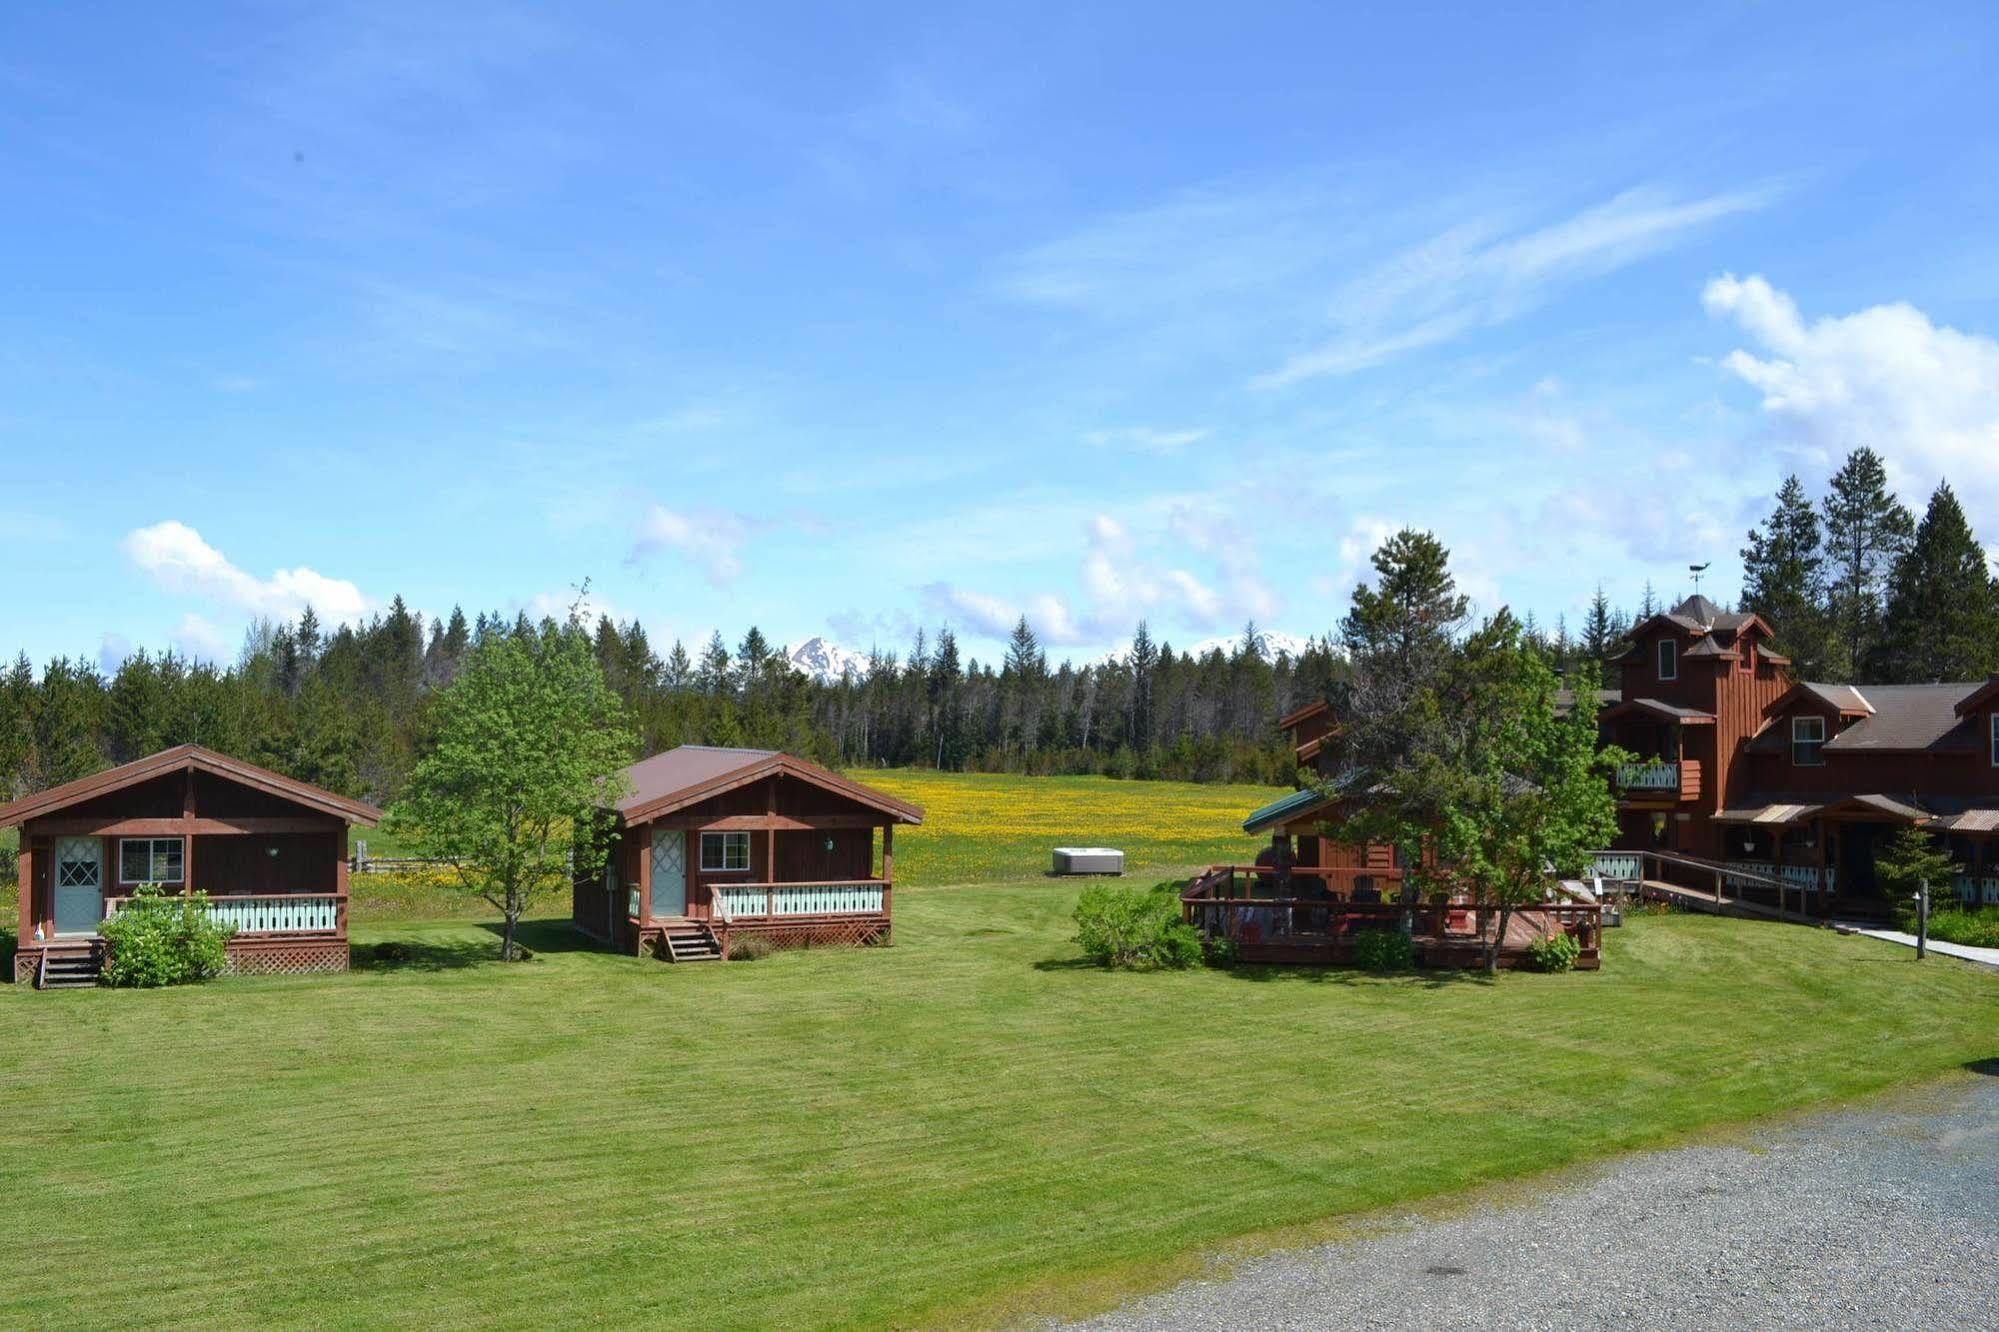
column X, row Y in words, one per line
column 1808, row 742
column 1669, row 659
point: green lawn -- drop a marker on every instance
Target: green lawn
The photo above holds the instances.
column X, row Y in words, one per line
column 967, row 1125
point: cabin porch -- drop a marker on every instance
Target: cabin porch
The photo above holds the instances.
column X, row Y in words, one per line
column 1311, row 914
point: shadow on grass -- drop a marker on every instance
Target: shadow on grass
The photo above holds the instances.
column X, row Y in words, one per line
column 422, row 955
column 544, row 936
column 7, row 950
column 1429, row 978
column 1986, row 1067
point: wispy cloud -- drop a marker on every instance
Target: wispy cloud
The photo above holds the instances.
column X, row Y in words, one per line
column 711, row 539
column 1144, row 439
column 180, row 561
column 1479, row 274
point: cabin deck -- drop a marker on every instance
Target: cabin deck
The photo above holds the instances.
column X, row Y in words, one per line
column 1242, row 903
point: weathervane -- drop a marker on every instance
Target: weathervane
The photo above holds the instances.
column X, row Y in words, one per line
column 1697, row 570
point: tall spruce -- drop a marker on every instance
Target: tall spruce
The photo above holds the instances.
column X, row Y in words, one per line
column 1784, row 580
column 1867, row 531
column 1942, row 620
column 1397, row 636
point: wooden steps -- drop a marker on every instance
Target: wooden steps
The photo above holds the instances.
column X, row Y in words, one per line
column 69, row 969
column 690, row 941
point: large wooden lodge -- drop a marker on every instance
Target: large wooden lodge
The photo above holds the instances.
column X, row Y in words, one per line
column 269, row 852
column 716, row 844
column 1768, row 780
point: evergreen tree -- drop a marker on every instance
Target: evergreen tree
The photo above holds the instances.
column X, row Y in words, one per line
column 1397, row 635
column 1867, row 530
column 1942, row 617
column 1603, row 630
column 1784, row 580
column 712, row 676
column 1143, row 662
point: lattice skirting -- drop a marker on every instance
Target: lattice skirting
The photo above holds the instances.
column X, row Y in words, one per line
column 860, row 932
column 286, row 957
column 24, row 967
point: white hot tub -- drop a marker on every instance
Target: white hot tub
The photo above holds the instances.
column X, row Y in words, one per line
column 1088, row 860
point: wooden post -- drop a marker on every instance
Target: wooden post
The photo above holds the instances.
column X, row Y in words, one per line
column 24, row 870
column 888, row 865
column 1923, row 920
column 187, row 837
column 643, row 844
column 340, row 882
column 770, row 839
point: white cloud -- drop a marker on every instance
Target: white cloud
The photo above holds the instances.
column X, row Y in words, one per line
column 711, row 539
column 1144, row 439
column 1924, row 396
column 1476, row 275
column 177, row 557
column 197, row 638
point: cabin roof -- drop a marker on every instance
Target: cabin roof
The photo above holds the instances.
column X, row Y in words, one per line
column 1286, row 808
column 182, row 758
column 1304, row 713
column 1661, row 709
column 1891, row 718
column 1777, row 809
column 688, row 774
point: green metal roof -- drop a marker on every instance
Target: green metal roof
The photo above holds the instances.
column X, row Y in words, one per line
column 1282, row 810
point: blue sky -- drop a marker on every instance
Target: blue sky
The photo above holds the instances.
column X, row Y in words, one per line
column 842, row 319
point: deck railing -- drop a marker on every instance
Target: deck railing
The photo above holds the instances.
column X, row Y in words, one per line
column 1261, row 882
column 1622, row 866
column 289, row 913
column 1649, row 776
column 1316, row 922
column 738, row 902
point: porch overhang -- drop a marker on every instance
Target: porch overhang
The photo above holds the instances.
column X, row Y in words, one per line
column 1767, row 815
column 1658, row 711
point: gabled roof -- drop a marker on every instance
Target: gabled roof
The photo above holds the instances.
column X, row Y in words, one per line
column 1697, row 617
column 1653, row 707
column 1984, row 696
column 1286, row 808
column 182, row 758
column 690, row 774
column 1889, row 718
column 1302, row 714
column 1781, row 809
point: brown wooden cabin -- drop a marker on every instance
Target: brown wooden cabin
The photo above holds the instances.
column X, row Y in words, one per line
column 714, row 844
column 270, row 853
column 1311, row 912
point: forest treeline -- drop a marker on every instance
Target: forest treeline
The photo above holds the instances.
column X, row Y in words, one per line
column 1854, row 585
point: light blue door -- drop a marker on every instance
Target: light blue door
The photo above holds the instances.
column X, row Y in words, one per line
column 669, row 872
column 79, row 884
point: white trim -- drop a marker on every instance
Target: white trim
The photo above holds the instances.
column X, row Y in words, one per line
column 722, row 865
column 1666, row 658
column 152, row 850
column 1818, row 761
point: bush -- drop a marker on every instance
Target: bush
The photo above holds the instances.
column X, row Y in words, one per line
column 1384, row 950
column 1975, row 927
column 1554, row 952
column 750, row 948
column 1135, row 929
column 1219, row 951
column 157, row 940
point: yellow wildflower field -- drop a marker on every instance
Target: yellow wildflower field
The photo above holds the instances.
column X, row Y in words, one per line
column 983, row 826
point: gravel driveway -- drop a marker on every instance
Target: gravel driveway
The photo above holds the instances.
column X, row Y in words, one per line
column 1883, row 1215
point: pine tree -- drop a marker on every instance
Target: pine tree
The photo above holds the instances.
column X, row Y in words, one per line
column 1600, row 629
column 711, row 677
column 1867, row 530
column 1397, row 635
column 1941, row 621
column 1783, row 580
column 1143, row 662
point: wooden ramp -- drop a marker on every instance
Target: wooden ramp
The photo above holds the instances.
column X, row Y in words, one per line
column 1658, row 890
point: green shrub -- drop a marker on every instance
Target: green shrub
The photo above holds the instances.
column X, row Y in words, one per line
column 1219, row 951
column 1554, row 952
column 1135, row 929
column 1383, row 950
column 159, row 940
column 750, row 947
column 1975, row 927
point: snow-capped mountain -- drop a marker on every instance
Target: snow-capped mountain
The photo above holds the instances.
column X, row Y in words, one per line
column 822, row 660
column 1274, row 641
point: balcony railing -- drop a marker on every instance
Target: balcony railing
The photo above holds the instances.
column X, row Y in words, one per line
column 738, row 902
column 291, row 913
column 1649, row 776
column 1802, row 877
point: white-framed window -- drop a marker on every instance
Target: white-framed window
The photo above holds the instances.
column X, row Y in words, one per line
column 1807, row 741
column 724, row 852
column 1669, row 659
column 150, row 860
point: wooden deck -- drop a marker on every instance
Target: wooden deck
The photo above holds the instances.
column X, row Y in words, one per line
column 1241, row 903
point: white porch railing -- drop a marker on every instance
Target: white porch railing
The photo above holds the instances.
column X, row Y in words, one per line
column 774, row 901
column 1802, row 877
column 1649, row 776
column 1970, row 888
column 1620, row 865
column 300, row 913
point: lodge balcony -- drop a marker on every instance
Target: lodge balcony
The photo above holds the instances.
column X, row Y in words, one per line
column 1659, row 781
column 1314, row 916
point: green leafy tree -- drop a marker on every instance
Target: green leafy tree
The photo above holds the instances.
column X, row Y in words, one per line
column 1942, row 620
column 1866, row 529
column 529, row 744
column 1784, row 579
column 1497, row 784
